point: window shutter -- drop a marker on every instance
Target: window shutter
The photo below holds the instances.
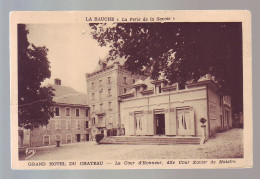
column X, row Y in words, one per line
column 78, row 124
column 68, row 124
column 192, row 121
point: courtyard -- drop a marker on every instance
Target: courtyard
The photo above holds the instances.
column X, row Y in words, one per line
column 228, row 144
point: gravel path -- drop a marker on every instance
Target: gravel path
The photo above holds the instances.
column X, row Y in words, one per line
column 228, row 144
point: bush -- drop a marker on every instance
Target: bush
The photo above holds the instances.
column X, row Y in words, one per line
column 112, row 132
column 203, row 120
column 99, row 137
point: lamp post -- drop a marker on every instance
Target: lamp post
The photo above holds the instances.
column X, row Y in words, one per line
column 203, row 127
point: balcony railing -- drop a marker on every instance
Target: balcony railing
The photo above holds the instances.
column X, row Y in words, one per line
column 100, row 112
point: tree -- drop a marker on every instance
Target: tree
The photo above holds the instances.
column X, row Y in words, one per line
column 180, row 51
column 34, row 101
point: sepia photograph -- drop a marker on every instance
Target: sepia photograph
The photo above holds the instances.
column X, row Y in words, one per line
column 153, row 89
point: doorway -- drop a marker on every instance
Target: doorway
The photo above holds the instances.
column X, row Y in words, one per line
column 160, row 124
column 78, row 137
column 87, row 137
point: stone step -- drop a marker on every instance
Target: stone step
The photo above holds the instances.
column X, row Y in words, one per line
column 191, row 141
column 150, row 140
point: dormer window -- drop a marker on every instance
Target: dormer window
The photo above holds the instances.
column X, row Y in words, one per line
column 104, row 65
column 158, row 88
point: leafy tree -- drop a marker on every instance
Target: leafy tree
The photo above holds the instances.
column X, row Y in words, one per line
column 180, row 51
column 34, row 101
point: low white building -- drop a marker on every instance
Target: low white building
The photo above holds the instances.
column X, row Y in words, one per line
column 157, row 108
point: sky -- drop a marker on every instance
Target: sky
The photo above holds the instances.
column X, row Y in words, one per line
column 72, row 51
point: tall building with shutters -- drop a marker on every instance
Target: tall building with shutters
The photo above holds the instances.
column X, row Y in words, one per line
column 104, row 85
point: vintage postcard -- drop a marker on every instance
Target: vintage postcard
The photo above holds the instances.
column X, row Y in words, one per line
column 131, row 90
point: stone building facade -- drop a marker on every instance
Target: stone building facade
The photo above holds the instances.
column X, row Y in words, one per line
column 70, row 122
column 104, row 85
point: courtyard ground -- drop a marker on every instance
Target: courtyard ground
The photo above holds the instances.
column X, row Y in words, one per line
column 228, row 144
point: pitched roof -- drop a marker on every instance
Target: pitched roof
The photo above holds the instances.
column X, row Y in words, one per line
column 104, row 60
column 67, row 95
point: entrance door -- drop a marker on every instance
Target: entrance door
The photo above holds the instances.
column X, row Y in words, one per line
column 185, row 120
column 46, row 140
column 138, row 123
column 87, row 137
column 160, row 124
column 78, row 137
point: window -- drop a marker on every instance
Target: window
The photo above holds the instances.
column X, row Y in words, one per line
column 93, row 108
column 46, row 140
column 108, row 80
column 57, row 137
column 94, row 121
column 220, row 101
column 78, row 124
column 109, row 105
column 87, row 124
column 57, row 111
column 109, row 92
column 160, row 89
column 124, row 79
column 48, row 127
column 100, row 95
column 68, row 124
column 57, row 124
column 86, row 112
column 93, row 96
column 125, row 90
column 92, row 84
column 77, row 111
column 69, row 138
column 67, row 111
column 110, row 119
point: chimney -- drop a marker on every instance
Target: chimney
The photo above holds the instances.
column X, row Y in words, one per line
column 57, row 81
